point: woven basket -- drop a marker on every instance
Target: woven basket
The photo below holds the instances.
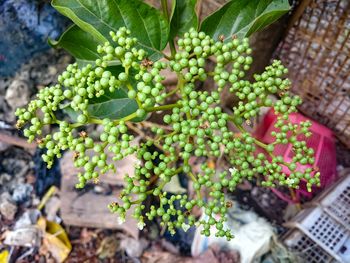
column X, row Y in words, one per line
column 316, row 50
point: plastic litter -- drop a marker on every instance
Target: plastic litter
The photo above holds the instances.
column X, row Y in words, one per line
column 29, row 218
column 55, row 239
column 29, row 236
column 322, row 141
column 253, row 235
column 322, row 232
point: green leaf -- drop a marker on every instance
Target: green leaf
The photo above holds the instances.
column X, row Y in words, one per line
column 183, row 17
column 100, row 17
column 114, row 105
column 243, row 17
column 79, row 44
column 72, row 114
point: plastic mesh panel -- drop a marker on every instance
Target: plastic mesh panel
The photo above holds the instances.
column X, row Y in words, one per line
column 328, row 232
column 306, row 249
column 340, row 207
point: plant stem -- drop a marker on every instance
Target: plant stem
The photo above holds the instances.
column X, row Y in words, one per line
column 152, row 124
column 131, row 88
column 194, row 179
column 75, row 125
column 259, row 143
column 172, row 92
column 242, row 130
column 211, row 74
column 180, row 85
column 163, row 183
column 126, row 118
column 65, row 106
column 163, row 107
column 172, row 47
column 129, row 117
column 142, row 134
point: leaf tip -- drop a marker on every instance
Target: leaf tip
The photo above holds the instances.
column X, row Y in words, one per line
column 53, row 43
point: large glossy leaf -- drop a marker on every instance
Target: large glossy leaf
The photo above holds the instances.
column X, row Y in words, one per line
column 79, row 44
column 100, row 17
column 183, row 17
column 243, row 17
column 72, row 114
column 114, row 105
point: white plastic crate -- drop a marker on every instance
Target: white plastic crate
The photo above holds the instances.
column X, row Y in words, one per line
column 322, row 233
column 337, row 202
column 305, row 248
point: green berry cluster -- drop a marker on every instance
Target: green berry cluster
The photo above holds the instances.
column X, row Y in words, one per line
column 196, row 126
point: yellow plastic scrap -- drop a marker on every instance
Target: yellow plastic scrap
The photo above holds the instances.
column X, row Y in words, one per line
column 48, row 194
column 4, row 256
column 55, row 239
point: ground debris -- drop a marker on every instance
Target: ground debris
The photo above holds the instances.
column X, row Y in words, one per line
column 22, row 193
column 212, row 255
column 29, row 236
column 133, row 247
column 17, row 94
column 8, row 209
column 108, row 247
column 28, row 218
column 86, row 207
